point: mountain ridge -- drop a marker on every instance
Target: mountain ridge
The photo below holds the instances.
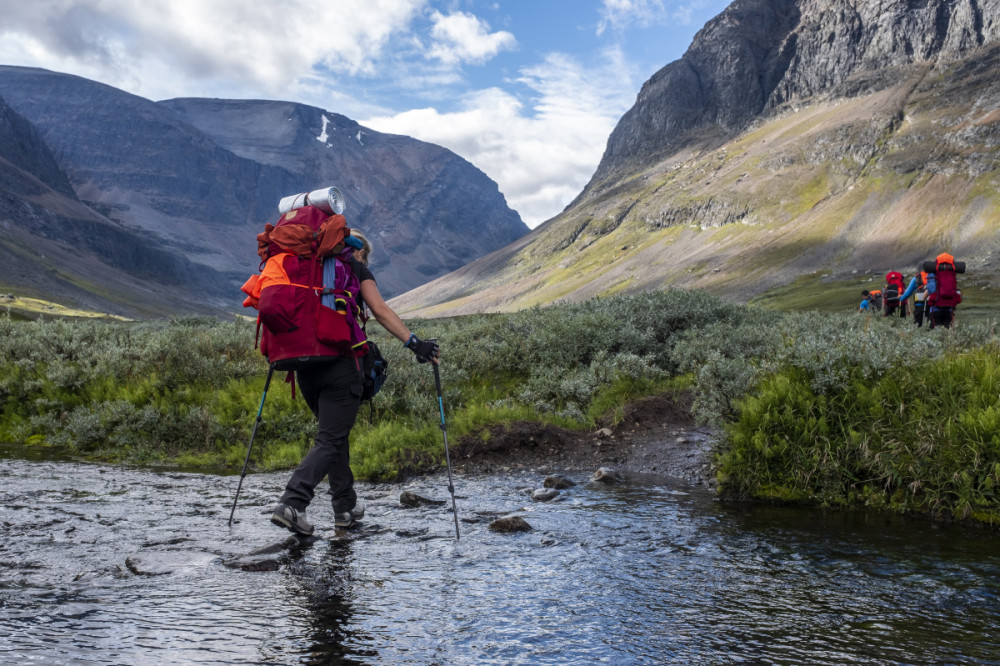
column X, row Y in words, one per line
column 141, row 187
column 848, row 173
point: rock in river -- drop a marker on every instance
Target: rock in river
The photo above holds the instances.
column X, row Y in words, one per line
column 607, row 475
column 406, row 498
column 509, row 524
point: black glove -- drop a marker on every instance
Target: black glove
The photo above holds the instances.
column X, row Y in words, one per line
column 424, row 350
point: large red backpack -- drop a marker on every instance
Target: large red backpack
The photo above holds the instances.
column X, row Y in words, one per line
column 946, row 293
column 305, row 321
column 894, row 287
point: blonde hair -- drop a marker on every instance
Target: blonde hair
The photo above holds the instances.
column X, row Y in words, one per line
column 365, row 252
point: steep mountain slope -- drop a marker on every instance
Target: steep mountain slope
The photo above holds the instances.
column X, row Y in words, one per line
column 54, row 244
column 797, row 140
column 430, row 211
column 182, row 185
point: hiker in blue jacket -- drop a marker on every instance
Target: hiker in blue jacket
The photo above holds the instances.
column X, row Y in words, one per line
column 918, row 288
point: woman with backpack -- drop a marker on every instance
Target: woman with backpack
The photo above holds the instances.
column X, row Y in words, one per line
column 332, row 390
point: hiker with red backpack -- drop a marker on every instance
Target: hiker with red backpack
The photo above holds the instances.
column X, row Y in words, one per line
column 943, row 294
column 891, row 295
column 310, row 296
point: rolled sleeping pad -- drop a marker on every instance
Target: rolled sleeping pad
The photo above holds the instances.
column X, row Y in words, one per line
column 329, row 199
column 931, row 265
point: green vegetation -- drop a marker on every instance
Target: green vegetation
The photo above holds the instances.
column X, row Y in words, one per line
column 856, row 410
column 187, row 391
column 842, row 410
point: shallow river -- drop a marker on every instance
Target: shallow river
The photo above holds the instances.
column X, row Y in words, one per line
column 121, row 566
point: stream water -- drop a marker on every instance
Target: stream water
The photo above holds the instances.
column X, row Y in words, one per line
column 106, row 565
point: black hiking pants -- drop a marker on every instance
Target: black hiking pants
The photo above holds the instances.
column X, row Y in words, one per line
column 333, row 393
column 942, row 317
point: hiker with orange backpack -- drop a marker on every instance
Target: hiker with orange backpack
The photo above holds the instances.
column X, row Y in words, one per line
column 943, row 294
column 871, row 301
column 309, row 296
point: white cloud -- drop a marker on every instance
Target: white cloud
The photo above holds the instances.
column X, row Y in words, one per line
column 540, row 138
column 462, row 37
column 155, row 47
column 621, row 14
column 542, row 153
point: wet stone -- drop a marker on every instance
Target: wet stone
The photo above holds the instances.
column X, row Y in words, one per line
column 413, row 500
column 509, row 525
column 607, row 475
column 274, row 548
column 253, row 563
column 544, row 494
column 558, row 481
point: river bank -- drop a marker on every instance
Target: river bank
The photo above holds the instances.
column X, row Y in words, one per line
column 654, row 435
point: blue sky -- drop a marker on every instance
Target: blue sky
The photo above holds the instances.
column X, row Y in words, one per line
column 527, row 90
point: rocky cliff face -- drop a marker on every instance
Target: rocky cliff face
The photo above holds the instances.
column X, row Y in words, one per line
column 27, row 167
column 758, row 56
column 176, row 191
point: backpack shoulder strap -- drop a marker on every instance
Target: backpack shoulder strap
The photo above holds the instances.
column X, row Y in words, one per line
column 362, row 306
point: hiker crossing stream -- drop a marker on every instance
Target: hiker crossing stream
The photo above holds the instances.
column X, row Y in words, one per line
column 110, row 565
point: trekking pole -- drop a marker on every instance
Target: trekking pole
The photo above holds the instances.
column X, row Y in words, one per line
column 447, row 456
column 267, row 382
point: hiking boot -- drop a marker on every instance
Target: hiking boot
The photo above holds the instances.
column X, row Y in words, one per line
column 293, row 519
column 348, row 518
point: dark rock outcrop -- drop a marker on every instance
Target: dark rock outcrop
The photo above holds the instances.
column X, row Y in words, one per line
column 759, row 55
column 558, row 481
column 607, row 475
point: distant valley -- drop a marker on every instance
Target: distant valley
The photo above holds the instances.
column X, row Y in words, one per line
column 114, row 203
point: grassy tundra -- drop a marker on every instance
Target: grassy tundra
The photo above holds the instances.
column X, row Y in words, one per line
column 842, row 410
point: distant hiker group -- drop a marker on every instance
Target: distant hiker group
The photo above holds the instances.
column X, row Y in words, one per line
column 934, row 289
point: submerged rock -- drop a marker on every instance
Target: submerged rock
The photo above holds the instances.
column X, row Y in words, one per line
column 412, row 500
column 544, row 494
column 510, row 524
column 278, row 547
column 558, row 481
column 160, row 563
column 271, row 556
column 253, row 563
column 607, row 475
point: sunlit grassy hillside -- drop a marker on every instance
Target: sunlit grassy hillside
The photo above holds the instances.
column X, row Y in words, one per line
column 801, row 211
